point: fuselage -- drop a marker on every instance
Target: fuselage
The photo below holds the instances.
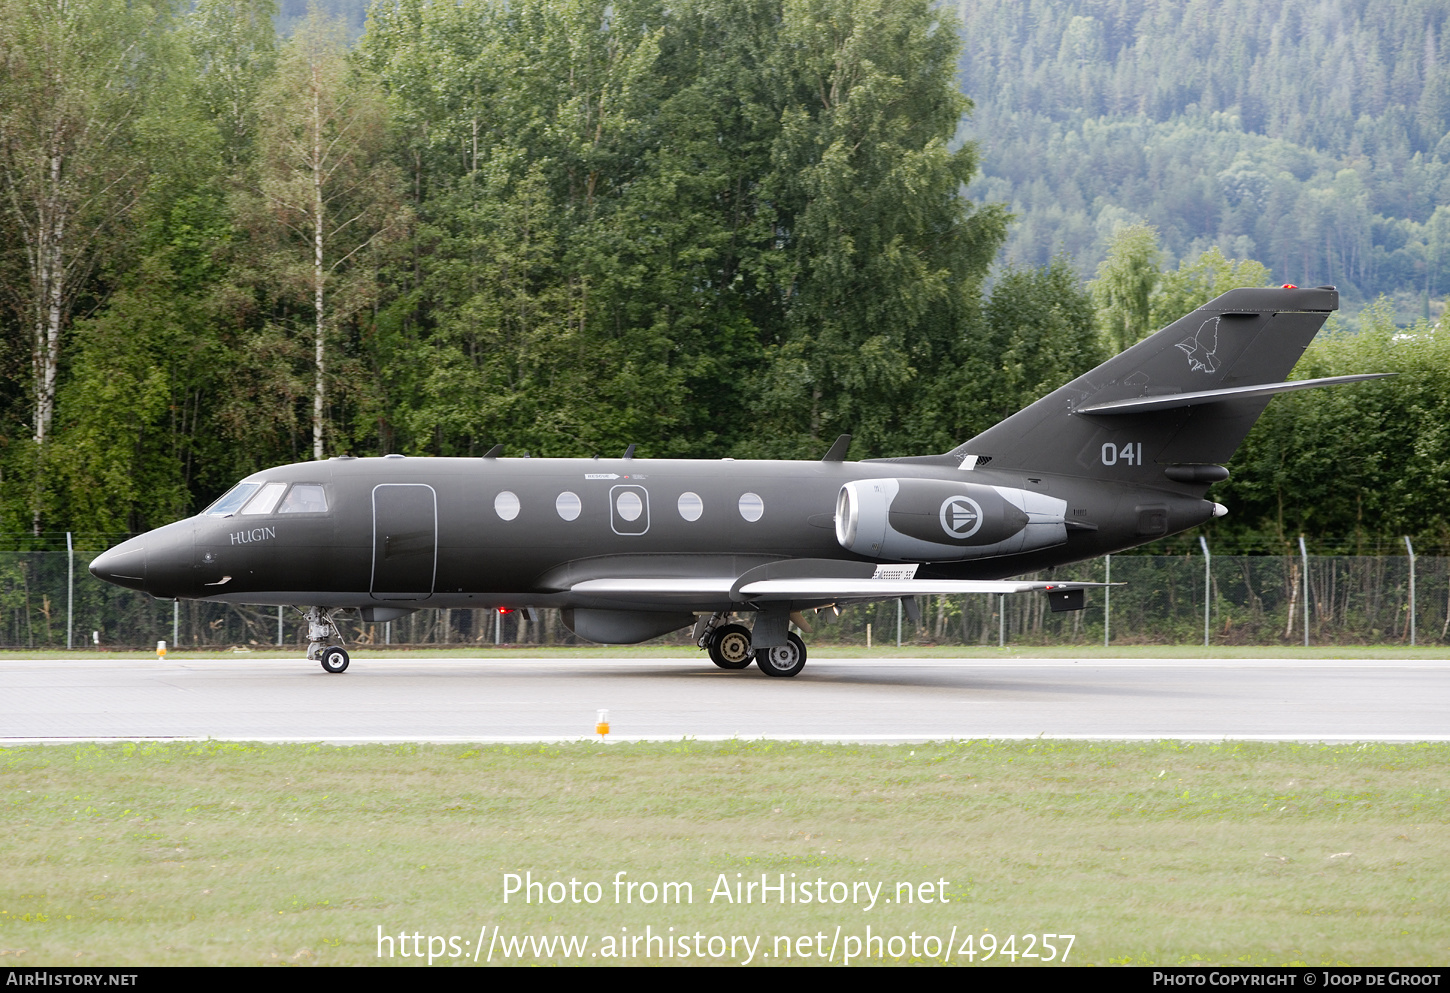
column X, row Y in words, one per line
column 523, row 532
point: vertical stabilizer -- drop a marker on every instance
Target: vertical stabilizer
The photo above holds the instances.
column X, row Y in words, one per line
column 1244, row 339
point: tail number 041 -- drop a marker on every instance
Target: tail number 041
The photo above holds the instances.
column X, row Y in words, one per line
column 1129, row 454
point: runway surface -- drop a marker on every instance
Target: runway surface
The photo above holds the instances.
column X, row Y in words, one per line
column 521, row 699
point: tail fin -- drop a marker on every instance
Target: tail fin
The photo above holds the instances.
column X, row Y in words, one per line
column 1175, row 404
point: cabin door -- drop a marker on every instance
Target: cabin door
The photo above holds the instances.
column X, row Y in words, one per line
column 405, row 541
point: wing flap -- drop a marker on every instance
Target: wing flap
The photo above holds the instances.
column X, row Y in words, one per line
column 886, row 589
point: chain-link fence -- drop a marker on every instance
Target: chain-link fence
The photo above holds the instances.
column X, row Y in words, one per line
column 49, row 600
column 1251, row 600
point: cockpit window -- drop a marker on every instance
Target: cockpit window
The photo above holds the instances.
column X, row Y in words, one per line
column 264, row 501
column 305, row 498
column 231, row 500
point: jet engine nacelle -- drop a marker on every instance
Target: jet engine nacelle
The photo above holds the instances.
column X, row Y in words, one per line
column 938, row 520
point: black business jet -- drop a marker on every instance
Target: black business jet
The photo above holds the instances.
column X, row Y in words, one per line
column 630, row 549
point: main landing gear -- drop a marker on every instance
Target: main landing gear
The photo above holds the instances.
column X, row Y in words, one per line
column 730, row 647
column 323, row 639
column 783, row 660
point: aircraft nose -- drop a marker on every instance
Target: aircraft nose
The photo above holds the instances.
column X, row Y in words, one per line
column 124, row 565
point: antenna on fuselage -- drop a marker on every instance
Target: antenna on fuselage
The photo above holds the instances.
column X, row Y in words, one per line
column 493, row 452
column 837, row 451
column 629, row 452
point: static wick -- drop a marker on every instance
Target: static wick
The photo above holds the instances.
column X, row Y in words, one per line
column 601, row 727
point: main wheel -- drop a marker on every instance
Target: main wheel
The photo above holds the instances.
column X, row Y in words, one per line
column 729, row 647
column 783, row 660
column 334, row 659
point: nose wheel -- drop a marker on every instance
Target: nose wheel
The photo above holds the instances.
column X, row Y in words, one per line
column 334, row 659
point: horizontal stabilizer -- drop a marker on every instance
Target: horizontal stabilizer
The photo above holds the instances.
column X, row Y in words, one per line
column 1168, row 401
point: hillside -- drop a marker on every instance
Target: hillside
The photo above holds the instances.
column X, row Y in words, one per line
column 1307, row 134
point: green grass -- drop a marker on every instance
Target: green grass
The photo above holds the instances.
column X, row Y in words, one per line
column 1163, row 853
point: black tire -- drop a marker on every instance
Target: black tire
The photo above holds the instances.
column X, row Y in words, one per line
column 334, row 659
column 729, row 647
column 783, row 660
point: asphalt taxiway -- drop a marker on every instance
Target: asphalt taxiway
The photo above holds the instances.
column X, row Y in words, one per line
column 541, row 699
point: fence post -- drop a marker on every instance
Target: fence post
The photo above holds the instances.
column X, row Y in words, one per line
column 898, row 622
column 1304, row 558
column 279, row 625
column 1410, row 549
column 1107, row 596
column 70, row 589
column 1001, row 620
column 175, row 622
column 1207, row 585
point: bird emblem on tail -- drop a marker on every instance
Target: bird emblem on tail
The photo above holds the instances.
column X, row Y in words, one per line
column 1201, row 347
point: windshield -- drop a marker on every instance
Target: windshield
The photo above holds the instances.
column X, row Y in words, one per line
column 231, row 500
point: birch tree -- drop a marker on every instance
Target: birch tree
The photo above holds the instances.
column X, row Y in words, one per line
column 327, row 196
column 235, row 48
column 75, row 78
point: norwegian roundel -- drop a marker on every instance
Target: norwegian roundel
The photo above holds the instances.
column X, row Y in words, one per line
column 961, row 516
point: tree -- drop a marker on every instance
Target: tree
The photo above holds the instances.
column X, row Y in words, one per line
column 1124, row 286
column 753, row 210
column 235, row 49
column 1197, row 281
column 1355, row 463
column 76, row 78
column 326, row 196
column 1043, row 324
column 882, row 255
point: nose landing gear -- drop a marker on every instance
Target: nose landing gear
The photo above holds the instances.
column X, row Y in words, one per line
column 324, row 639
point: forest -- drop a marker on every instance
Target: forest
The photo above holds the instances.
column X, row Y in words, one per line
column 1310, row 135
column 234, row 236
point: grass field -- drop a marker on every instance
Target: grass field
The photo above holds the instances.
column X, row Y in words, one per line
column 1146, row 853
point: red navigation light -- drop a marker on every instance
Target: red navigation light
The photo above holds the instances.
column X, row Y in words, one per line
column 1289, row 286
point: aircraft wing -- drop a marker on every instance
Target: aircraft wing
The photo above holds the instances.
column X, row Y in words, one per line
column 827, row 588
